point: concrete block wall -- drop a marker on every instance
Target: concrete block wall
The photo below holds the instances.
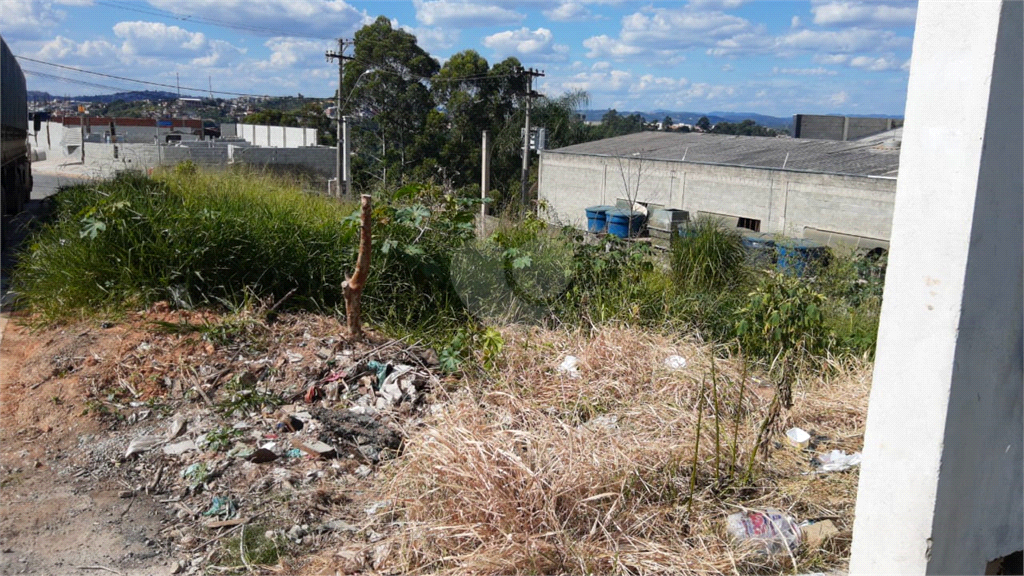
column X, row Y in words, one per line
column 272, row 136
column 786, row 202
column 318, row 160
column 821, row 127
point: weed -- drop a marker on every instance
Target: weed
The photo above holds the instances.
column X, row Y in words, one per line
column 222, row 438
column 707, row 256
column 250, row 548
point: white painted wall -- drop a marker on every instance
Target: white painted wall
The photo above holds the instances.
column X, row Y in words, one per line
column 941, row 484
column 785, row 201
column 275, row 136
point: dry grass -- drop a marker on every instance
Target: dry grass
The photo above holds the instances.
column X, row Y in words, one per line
column 532, row 472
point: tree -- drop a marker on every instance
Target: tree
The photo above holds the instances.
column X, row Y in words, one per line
column 386, row 85
column 704, row 124
column 666, row 124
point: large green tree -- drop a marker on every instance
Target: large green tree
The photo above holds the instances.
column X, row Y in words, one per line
column 385, row 89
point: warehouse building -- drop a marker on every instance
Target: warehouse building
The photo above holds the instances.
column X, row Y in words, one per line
column 833, row 192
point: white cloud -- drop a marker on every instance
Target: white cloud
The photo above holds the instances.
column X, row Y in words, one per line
column 290, row 53
column 869, row 14
column 842, row 41
column 606, row 47
column 536, row 44
column 680, row 28
column 716, row 4
column 795, row 22
column 568, row 12
column 329, row 18
column 464, row 13
column 601, row 65
column 727, row 68
column 32, row 19
column 838, row 98
column 62, row 49
column 651, row 83
column 830, row 59
column 872, row 64
column 819, row 71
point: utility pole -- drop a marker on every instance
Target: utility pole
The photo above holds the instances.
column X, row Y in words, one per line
column 342, row 177
column 530, row 94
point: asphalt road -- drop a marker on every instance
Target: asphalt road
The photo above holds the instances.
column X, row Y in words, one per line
column 15, row 228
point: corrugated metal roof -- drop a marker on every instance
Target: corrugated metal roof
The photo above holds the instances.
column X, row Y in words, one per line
column 876, row 157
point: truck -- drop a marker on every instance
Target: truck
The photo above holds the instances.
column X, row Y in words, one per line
column 16, row 175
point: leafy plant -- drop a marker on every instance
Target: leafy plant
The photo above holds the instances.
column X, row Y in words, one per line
column 783, row 313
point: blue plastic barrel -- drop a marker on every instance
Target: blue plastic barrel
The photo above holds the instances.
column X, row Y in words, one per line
column 623, row 223
column 797, row 257
column 596, row 218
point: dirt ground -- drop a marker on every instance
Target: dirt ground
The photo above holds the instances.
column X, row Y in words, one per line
column 59, row 516
column 72, row 400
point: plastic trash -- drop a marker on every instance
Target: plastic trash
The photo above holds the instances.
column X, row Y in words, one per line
column 142, row 444
column 770, row 530
column 837, row 461
column 570, row 366
column 675, row 362
column 798, row 437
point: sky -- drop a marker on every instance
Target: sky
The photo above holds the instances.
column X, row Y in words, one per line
column 770, row 57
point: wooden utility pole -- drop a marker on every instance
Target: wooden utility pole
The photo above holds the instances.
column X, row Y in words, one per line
column 352, row 287
column 339, row 173
column 530, row 94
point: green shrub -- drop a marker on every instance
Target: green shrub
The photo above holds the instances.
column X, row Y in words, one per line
column 708, row 257
column 783, row 313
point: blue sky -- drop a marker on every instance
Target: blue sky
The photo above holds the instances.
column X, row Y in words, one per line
column 777, row 58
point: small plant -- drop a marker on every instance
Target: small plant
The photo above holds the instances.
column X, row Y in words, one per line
column 783, row 315
column 250, row 548
column 491, row 343
column 223, row 438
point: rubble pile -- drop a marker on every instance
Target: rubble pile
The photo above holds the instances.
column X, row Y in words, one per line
column 281, row 438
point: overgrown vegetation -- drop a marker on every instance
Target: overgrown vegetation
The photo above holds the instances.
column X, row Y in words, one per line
column 235, row 238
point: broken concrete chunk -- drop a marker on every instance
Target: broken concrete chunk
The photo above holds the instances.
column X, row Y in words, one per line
column 314, row 447
column 179, row 448
column 816, row 534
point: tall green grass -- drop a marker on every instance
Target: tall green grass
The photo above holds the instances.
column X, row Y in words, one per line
column 224, row 238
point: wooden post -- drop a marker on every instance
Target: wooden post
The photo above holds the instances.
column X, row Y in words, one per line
column 352, row 287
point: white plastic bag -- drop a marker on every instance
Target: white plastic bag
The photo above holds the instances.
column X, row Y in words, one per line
column 675, row 362
column 838, row 460
column 569, row 366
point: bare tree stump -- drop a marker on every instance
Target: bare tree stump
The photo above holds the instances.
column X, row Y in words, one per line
column 352, row 287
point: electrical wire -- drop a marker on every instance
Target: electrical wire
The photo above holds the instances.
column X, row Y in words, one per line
column 211, row 21
column 147, row 82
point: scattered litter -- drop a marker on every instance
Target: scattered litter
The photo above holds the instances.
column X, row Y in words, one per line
column 179, row 448
column 380, row 368
column 196, row 473
column 770, row 530
column 363, row 471
column 837, row 461
column 294, row 453
column 798, row 437
column 289, row 424
column 222, row 506
column 142, row 444
column 261, row 455
column 569, row 366
column 293, row 358
column 815, row 534
column 675, row 362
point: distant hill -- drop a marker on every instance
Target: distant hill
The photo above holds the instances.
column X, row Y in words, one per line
column 692, row 117
column 108, row 98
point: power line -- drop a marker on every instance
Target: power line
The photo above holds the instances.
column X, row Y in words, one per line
column 147, row 82
column 211, row 21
